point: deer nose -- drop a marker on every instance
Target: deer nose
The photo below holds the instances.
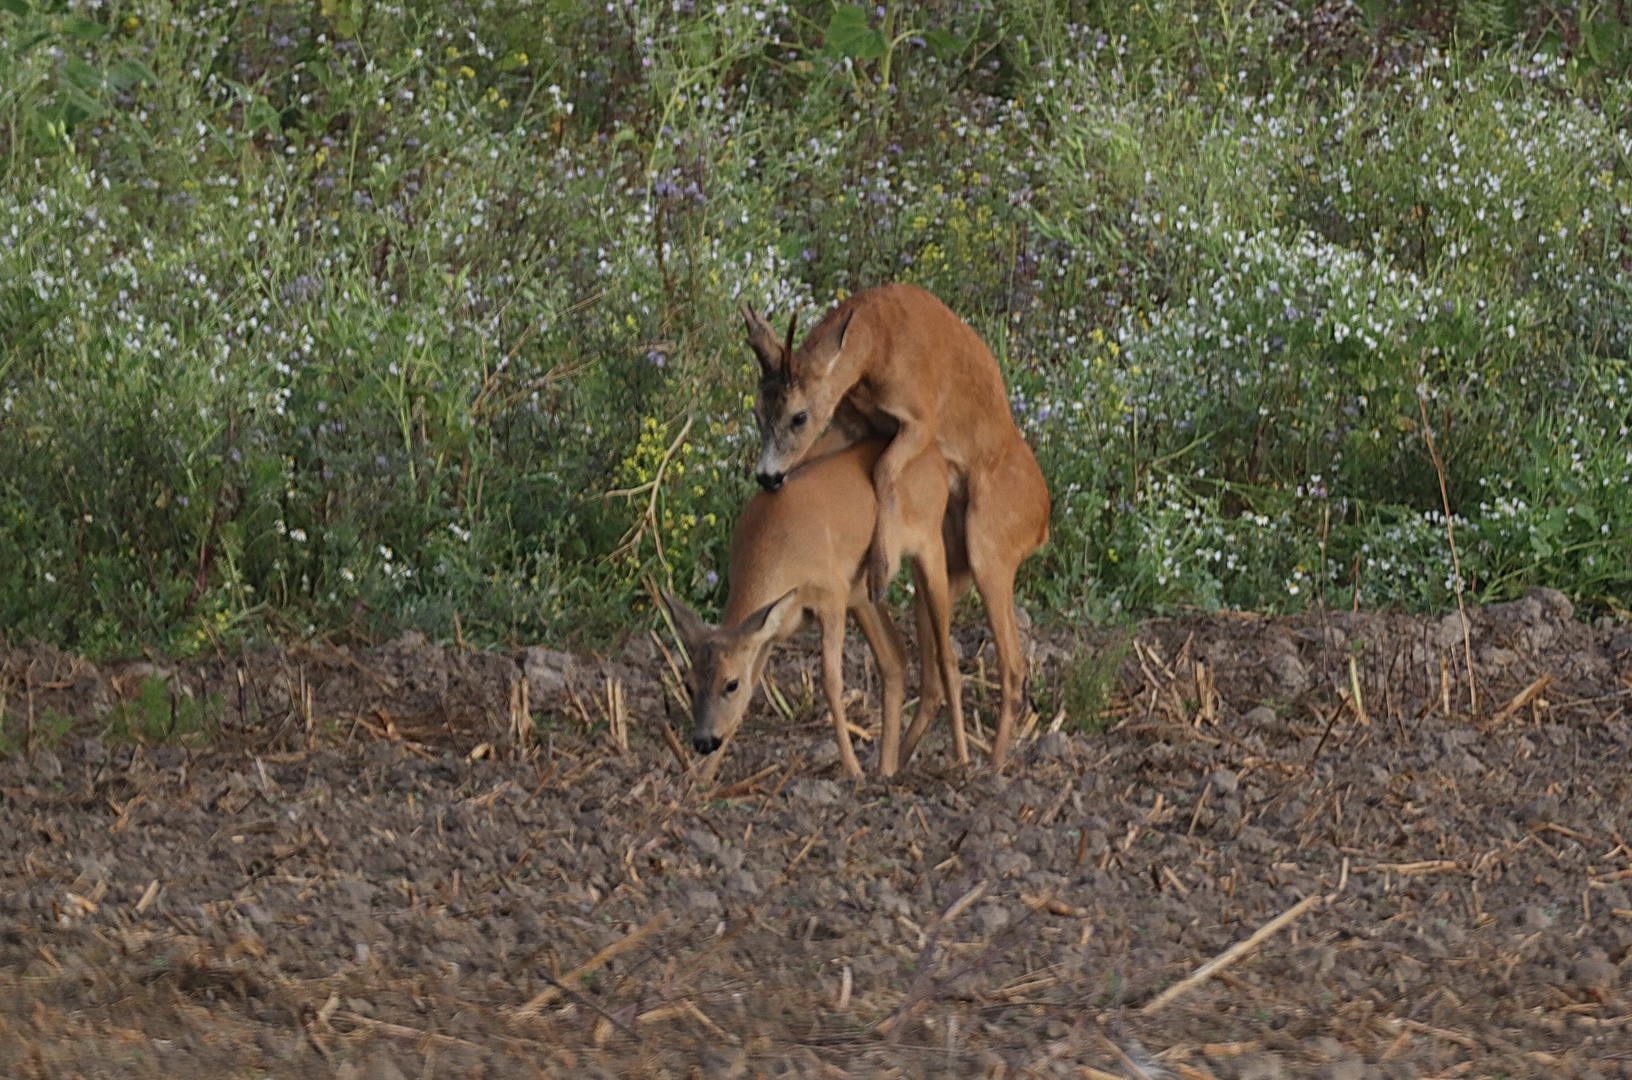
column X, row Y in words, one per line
column 706, row 744
column 770, row 481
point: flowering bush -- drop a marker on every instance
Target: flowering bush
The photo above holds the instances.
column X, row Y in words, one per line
column 329, row 321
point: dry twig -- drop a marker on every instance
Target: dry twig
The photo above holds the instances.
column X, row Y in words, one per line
column 1232, row 954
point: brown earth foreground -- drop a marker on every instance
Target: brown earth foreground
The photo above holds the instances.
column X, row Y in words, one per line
column 324, row 884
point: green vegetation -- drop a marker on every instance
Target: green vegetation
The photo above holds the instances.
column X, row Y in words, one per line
column 333, row 318
column 1087, row 684
column 162, row 713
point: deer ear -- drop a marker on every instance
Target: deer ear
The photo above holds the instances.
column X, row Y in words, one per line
column 691, row 629
column 767, row 624
column 762, row 339
column 824, row 346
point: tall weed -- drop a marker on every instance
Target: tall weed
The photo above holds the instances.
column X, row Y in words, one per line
column 329, row 320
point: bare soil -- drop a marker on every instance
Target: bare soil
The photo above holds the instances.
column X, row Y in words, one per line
column 321, row 882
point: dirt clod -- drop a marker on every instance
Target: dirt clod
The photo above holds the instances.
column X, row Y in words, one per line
column 330, row 886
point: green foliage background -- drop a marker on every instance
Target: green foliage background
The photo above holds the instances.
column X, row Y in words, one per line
column 331, row 318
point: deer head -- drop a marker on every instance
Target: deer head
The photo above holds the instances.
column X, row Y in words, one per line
column 796, row 396
column 726, row 664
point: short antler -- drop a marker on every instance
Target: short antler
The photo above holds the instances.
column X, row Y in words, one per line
column 762, row 339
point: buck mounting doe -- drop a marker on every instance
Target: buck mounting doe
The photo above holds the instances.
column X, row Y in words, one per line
column 800, row 551
column 895, row 362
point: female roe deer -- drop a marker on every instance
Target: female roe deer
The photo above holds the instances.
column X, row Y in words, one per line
column 800, row 551
column 896, row 362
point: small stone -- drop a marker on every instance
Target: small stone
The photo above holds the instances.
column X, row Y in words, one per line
column 411, row 641
column 1053, row 746
column 47, row 765
column 1557, row 734
column 1253, row 838
column 1288, row 672
column 1260, row 1067
column 92, row 750
column 1595, row 974
column 704, row 843
column 1532, row 917
column 818, row 792
column 1225, row 781
column 1554, row 603
column 380, row 1067
column 1329, row 1048
column 1541, row 808
column 1344, row 1069
column 742, row 883
column 1262, row 717
column 546, row 672
column 1448, row 634
column 703, row 900
column 992, row 918
column 725, row 1064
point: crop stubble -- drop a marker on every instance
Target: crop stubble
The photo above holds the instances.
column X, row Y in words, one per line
column 363, row 900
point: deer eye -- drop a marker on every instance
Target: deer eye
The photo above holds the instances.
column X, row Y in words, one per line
column 731, row 687
column 799, row 419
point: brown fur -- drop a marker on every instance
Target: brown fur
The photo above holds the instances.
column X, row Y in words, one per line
column 895, row 361
column 800, row 553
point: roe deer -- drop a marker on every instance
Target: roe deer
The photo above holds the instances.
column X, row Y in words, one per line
column 801, row 551
column 896, row 362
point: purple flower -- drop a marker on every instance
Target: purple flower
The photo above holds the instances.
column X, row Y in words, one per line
column 656, row 358
column 712, row 578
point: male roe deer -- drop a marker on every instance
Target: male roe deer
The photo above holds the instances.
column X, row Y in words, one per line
column 801, row 551
column 896, row 362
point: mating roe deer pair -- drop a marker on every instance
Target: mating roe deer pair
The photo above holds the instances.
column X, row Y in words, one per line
column 886, row 433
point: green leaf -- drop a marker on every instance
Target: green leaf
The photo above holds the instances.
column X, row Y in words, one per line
column 124, row 74
column 18, row 8
column 82, row 75
column 849, row 35
column 341, row 14
column 1604, row 41
column 81, row 106
column 944, row 44
column 85, row 29
column 259, row 113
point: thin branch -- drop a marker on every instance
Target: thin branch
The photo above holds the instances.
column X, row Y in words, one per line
column 1450, row 534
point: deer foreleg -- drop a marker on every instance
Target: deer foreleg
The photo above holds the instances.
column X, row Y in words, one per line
column 877, row 626
column 833, row 686
column 884, row 555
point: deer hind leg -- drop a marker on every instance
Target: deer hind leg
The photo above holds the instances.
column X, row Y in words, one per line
column 1003, row 527
column 877, row 626
column 938, row 660
column 931, row 688
column 832, row 624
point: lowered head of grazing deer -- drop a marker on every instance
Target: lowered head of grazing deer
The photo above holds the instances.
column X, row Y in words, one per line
column 796, row 396
column 726, row 663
